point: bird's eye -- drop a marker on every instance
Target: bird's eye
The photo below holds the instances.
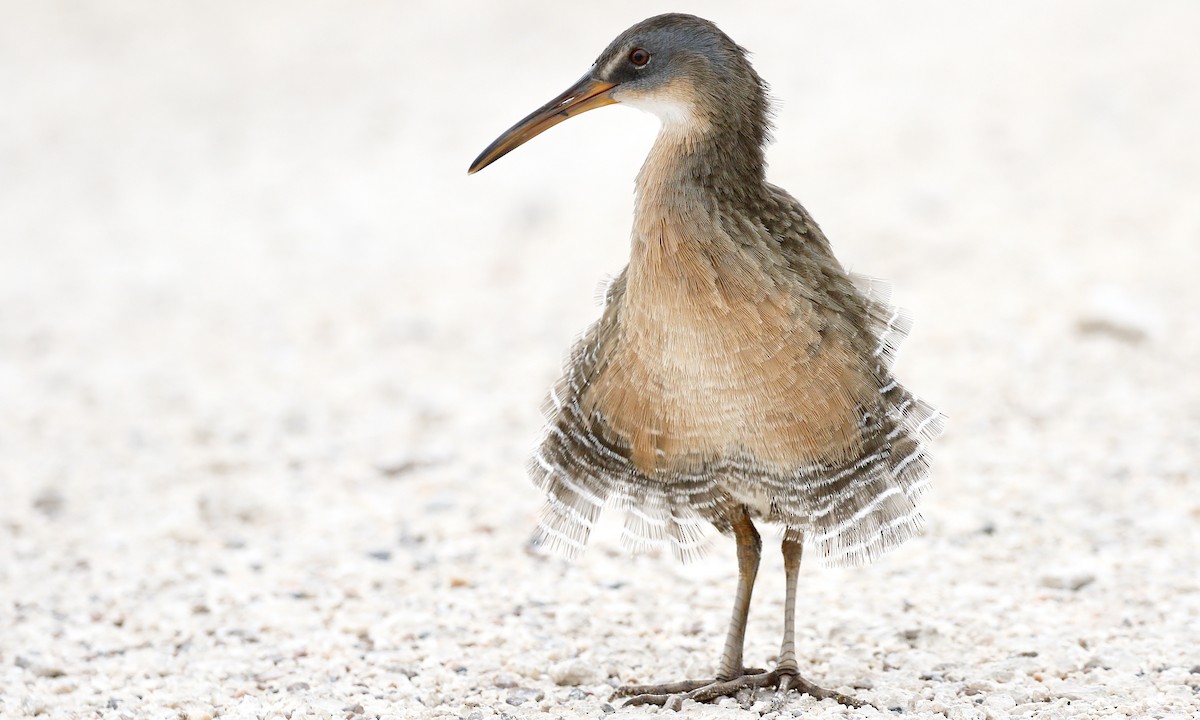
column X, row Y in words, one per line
column 639, row 57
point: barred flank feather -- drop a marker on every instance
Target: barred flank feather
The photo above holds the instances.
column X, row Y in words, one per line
column 848, row 513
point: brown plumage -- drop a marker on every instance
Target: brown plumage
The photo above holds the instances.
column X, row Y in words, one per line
column 738, row 371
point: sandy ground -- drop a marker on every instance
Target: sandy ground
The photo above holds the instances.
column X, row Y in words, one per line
column 270, row 362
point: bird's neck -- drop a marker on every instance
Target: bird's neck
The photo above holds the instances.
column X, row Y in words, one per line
column 690, row 185
column 694, row 174
column 697, row 170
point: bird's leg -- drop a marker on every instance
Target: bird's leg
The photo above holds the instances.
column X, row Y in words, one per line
column 731, row 671
column 787, row 671
column 732, row 676
column 749, row 551
column 792, row 552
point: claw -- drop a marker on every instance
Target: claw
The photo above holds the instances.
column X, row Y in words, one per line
column 821, row 693
column 646, row 699
column 781, row 693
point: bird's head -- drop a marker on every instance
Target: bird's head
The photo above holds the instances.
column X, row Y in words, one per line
column 679, row 67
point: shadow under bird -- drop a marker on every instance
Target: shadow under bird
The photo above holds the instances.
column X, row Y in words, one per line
column 738, row 372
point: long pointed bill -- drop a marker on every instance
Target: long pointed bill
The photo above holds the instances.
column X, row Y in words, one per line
column 587, row 94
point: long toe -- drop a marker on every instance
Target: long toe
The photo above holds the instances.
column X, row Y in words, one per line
column 799, row 684
column 664, row 689
column 728, row 688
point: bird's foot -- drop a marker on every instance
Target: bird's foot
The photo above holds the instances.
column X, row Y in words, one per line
column 792, row 680
column 672, row 695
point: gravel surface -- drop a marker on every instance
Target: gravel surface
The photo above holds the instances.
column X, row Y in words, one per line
column 270, row 362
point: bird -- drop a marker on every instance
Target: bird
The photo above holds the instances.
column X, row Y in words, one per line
column 738, row 372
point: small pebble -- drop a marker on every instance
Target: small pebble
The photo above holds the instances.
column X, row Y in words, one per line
column 39, row 668
column 1068, row 580
column 505, row 680
column 407, row 671
column 398, row 466
column 520, row 696
column 572, row 672
column 49, row 502
column 1111, row 312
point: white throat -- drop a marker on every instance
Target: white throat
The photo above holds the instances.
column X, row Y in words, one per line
column 676, row 114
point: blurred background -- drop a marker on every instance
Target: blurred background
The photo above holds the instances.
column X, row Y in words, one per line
column 271, row 362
